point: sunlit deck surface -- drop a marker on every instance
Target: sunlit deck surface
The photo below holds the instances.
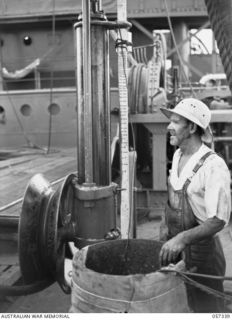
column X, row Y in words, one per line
column 17, row 167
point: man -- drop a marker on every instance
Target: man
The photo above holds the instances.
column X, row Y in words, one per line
column 199, row 201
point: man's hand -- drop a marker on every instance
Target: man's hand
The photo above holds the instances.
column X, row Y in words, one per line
column 171, row 250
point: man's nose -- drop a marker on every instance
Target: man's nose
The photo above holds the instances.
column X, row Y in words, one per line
column 169, row 127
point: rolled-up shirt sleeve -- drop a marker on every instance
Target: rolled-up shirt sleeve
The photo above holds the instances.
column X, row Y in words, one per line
column 217, row 189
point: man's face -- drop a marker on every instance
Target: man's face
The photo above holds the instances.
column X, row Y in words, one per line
column 179, row 129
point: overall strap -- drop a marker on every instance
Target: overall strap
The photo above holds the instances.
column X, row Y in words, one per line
column 196, row 168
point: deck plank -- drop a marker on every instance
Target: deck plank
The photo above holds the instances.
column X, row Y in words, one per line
column 14, row 179
column 14, row 186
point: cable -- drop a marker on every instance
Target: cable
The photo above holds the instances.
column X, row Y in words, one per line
column 209, row 290
column 200, row 275
column 51, row 79
column 29, row 142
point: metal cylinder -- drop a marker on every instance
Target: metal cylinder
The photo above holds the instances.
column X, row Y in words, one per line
column 99, row 114
column 80, row 109
column 96, row 214
column 101, row 105
column 181, row 33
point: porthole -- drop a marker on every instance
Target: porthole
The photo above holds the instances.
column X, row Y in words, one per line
column 2, row 115
column 27, row 40
column 53, row 109
column 26, row 110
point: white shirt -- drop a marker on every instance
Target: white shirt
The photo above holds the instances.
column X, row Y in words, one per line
column 209, row 191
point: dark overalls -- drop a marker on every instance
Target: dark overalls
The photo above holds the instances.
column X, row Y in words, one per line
column 207, row 255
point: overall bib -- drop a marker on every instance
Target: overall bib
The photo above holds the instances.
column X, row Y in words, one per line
column 206, row 255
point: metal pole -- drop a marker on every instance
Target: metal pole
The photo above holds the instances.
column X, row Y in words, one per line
column 214, row 55
column 87, row 91
column 80, row 108
column 1, row 77
column 100, row 105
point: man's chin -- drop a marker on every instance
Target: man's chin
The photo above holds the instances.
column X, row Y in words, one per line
column 173, row 142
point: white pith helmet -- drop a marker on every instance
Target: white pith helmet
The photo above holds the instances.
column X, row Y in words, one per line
column 195, row 111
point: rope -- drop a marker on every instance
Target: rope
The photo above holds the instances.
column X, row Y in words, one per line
column 207, row 276
column 184, row 276
column 206, row 288
column 28, row 141
column 220, row 15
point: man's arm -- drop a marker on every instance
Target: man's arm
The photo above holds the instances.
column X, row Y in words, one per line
column 208, row 228
column 172, row 248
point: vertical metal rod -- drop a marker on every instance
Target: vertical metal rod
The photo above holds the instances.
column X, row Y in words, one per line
column 214, row 55
column 80, row 107
column 1, row 60
column 87, row 91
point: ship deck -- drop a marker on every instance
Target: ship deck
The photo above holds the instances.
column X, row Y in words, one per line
column 18, row 166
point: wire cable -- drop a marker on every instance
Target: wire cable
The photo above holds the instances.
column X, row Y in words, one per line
column 190, row 281
column 51, row 77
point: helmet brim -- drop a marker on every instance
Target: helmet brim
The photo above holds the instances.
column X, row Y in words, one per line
column 206, row 137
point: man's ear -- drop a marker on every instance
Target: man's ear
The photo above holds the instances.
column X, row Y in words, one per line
column 193, row 127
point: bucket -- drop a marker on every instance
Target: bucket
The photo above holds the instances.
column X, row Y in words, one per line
column 121, row 276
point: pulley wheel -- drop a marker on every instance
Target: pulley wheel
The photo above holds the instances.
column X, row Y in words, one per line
column 36, row 198
column 66, row 196
column 45, row 214
column 63, row 206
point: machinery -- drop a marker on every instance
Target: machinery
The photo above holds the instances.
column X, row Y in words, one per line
column 83, row 210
